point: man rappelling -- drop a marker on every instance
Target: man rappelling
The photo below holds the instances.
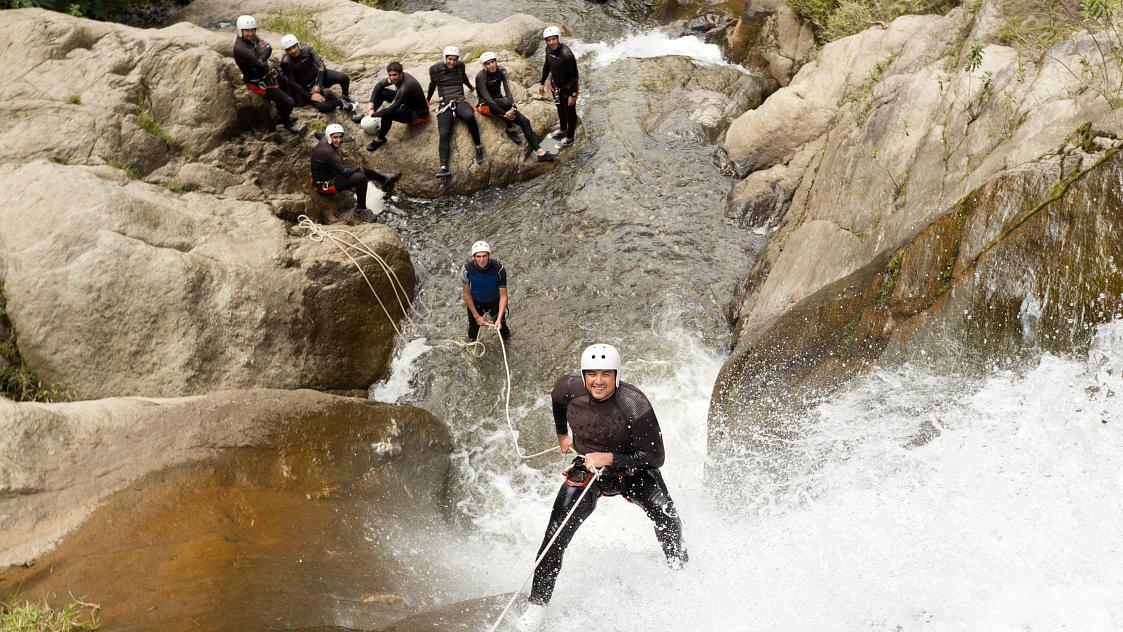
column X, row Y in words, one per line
column 615, row 429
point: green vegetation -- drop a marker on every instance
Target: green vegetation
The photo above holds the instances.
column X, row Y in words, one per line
column 19, row 382
column 834, row 19
column 96, row 9
column 127, row 167
column 147, row 120
column 1035, row 33
column 31, row 616
column 74, row 99
column 873, row 77
column 317, row 125
column 306, row 28
column 57, row 160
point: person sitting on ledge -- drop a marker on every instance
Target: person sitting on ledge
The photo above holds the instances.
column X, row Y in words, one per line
column 330, row 175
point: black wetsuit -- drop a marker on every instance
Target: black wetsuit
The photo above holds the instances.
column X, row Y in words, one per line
column 625, row 425
column 561, row 68
column 491, row 88
column 449, row 84
column 259, row 78
column 406, row 103
column 330, row 175
column 484, row 284
column 307, row 70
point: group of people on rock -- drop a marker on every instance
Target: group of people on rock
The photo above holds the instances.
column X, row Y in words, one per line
column 608, row 423
column 303, row 79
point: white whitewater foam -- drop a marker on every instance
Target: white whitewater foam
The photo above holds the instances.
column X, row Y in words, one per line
column 1006, row 518
column 402, row 371
column 647, row 45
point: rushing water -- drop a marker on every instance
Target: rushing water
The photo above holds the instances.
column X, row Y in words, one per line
column 914, row 500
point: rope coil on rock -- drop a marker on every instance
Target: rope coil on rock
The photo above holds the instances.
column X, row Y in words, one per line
column 317, row 232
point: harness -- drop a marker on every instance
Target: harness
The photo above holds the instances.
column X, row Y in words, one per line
column 259, row 87
column 323, row 188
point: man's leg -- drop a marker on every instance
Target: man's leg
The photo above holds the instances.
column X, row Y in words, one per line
column 570, row 124
column 336, row 78
column 546, row 573
column 493, row 311
column 528, row 131
column 465, row 113
column 444, row 126
column 473, row 328
column 647, row 489
column 283, row 102
column 356, row 181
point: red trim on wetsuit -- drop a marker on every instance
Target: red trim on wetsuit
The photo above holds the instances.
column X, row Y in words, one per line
column 323, row 188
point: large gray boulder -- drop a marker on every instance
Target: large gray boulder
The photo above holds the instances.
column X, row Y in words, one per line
column 238, row 508
column 119, row 287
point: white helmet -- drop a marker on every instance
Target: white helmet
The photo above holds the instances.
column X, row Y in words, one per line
column 488, row 56
column 334, row 128
column 246, row 22
column 452, row 51
column 551, row 31
column 370, row 124
column 289, row 41
column 480, row 246
column 601, row 356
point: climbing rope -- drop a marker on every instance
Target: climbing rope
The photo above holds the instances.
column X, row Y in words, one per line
column 352, row 243
column 546, row 549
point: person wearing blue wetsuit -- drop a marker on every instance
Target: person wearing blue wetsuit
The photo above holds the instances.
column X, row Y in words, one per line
column 615, row 431
column 484, row 282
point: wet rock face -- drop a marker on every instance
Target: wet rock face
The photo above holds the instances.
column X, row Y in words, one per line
column 1027, row 262
column 883, row 132
column 283, row 507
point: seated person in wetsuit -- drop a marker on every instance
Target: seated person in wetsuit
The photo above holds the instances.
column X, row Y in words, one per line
column 496, row 99
column 448, row 78
column 330, row 175
column 405, row 103
column 251, row 53
column 308, row 76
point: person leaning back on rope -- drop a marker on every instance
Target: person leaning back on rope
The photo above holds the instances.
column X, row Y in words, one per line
column 484, row 284
column 615, row 428
column 251, row 53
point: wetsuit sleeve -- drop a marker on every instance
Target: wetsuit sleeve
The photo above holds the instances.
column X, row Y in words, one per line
column 506, row 86
column 432, row 85
column 485, row 94
column 321, row 68
column 399, row 96
column 266, row 53
column 571, row 65
column 560, row 398
column 464, row 76
column 647, row 438
column 336, row 163
column 502, row 276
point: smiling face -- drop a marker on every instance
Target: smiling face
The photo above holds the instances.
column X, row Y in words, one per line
column 552, row 42
column 249, row 34
column 394, row 76
column 337, row 139
column 601, row 383
column 293, row 51
column 450, row 61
